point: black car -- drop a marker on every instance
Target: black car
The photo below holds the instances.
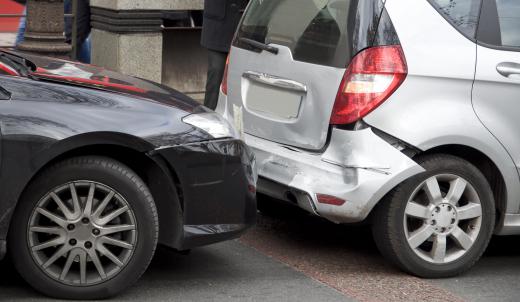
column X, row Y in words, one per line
column 97, row 168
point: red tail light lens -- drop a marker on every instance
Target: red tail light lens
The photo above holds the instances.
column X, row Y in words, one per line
column 371, row 78
column 224, row 87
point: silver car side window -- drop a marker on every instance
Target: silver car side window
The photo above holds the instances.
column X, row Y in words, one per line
column 462, row 14
column 509, row 19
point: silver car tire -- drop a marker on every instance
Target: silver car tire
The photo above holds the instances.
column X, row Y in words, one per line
column 438, row 223
column 85, row 228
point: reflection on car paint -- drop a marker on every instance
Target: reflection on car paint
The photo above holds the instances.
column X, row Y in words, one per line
column 86, row 75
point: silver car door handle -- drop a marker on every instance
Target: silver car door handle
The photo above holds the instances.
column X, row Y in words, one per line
column 275, row 81
column 509, row 70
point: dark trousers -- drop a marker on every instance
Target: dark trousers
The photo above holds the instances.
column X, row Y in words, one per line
column 216, row 66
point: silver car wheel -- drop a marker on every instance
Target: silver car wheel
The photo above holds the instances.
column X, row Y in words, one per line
column 82, row 233
column 443, row 218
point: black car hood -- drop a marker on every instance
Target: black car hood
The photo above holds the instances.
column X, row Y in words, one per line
column 91, row 76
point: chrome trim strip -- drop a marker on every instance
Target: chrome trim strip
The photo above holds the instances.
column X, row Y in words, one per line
column 275, row 81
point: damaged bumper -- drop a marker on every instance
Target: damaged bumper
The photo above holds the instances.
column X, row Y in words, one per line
column 343, row 184
column 217, row 184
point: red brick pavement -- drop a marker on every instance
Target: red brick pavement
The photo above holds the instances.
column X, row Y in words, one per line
column 344, row 258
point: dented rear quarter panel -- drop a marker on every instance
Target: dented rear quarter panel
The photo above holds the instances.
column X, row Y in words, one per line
column 358, row 166
column 433, row 107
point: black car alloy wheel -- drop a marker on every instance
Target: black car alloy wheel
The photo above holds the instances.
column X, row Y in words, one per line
column 82, row 233
column 85, row 229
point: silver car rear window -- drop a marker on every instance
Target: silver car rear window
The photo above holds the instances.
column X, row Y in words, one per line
column 314, row 30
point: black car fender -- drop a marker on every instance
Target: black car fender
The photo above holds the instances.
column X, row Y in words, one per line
column 132, row 151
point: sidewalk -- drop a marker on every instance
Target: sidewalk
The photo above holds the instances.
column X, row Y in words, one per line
column 345, row 258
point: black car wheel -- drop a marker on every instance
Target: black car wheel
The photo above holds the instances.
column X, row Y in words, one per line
column 86, row 228
column 438, row 223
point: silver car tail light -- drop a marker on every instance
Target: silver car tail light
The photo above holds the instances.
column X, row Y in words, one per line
column 371, row 78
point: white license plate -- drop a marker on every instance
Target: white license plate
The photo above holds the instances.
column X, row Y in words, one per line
column 272, row 102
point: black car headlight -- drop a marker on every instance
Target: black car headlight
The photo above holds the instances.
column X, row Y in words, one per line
column 213, row 124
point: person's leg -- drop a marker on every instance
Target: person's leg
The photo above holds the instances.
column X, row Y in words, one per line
column 84, row 51
column 216, row 65
column 21, row 29
column 67, row 7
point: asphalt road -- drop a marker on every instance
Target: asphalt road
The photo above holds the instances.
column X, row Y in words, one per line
column 495, row 278
column 224, row 272
column 300, row 258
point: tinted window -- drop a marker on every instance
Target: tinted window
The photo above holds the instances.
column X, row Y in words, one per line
column 463, row 14
column 313, row 30
column 509, row 19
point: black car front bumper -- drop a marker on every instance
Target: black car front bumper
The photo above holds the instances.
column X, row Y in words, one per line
column 217, row 190
column 3, row 249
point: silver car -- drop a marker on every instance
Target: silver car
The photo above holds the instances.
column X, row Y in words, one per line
column 404, row 113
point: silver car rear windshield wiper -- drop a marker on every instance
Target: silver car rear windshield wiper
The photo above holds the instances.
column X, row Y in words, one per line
column 259, row 45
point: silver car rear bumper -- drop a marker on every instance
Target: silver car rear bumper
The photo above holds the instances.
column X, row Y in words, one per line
column 358, row 167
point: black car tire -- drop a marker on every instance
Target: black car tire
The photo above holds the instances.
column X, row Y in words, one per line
column 104, row 171
column 389, row 219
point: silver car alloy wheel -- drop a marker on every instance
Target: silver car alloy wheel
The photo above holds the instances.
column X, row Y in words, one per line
column 443, row 218
column 82, row 233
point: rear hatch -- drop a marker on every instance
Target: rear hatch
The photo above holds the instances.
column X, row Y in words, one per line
column 288, row 60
